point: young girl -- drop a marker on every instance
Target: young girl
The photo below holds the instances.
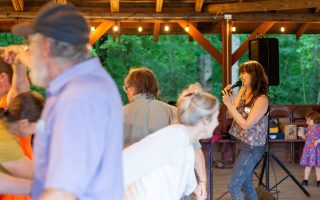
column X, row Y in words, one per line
column 20, row 118
column 161, row 165
column 311, row 151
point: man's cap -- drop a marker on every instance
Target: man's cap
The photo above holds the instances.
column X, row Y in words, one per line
column 61, row 22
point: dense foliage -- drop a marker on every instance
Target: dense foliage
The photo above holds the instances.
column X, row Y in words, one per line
column 175, row 61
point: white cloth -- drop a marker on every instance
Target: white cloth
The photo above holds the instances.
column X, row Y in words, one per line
column 160, row 166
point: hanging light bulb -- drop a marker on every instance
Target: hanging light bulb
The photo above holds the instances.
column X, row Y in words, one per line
column 115, row 28
column 234, row 29
column 187, row 28
column 92, row 28
column 282, row 29
column 166, row 28
column 140, row 29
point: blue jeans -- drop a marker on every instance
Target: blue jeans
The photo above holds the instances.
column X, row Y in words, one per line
column 241, row 179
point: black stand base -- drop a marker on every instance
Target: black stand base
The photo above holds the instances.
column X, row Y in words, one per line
column 265, row 168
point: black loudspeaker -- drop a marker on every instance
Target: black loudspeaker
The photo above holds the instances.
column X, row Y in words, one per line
column 266, row 52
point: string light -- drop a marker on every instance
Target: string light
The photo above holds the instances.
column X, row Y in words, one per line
column 92, row 28
column 166, row 28
column 115, row 28
column 282, row 29
column 233, row 29
column 140, row 29
column 187, row 28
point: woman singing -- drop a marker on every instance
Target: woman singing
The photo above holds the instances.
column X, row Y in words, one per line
column 250, row 125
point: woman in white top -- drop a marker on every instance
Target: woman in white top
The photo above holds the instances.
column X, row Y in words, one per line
column 161, row 166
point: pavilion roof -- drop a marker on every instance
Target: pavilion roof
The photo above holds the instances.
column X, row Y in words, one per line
column 297, row 16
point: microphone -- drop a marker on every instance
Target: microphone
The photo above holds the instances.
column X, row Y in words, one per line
column 236, row 84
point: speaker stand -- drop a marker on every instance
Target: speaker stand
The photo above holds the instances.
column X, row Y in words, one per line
column 265, row 169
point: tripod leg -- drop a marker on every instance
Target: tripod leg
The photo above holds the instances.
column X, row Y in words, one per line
column 290, row 174
column 262, row 168
column 267, row 171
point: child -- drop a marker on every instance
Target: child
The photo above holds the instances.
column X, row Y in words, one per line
column 311, row 151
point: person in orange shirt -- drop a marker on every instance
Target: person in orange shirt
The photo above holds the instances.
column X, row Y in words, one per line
column 13, row 80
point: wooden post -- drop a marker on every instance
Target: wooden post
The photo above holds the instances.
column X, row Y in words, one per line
column 226, row 62
column 226, row 52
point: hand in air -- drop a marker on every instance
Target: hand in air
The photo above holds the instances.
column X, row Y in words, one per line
column 15, row 54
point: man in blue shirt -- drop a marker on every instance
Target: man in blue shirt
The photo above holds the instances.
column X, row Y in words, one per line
column 78, row 144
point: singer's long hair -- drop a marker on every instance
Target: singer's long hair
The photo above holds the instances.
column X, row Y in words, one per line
column 259, row 79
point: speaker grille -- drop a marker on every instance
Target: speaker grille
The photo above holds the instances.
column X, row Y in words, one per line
column 266, row 52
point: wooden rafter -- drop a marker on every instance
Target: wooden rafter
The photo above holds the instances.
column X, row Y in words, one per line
column 114, row 6
column 303, row 27
column 198, row 5
column 198, row 8
column 61, row 1
column 159, row 5
column 18, row 5
column 193, row 31
column 262, row 6
column 100, row 31
column 156, row 30
column 226, row 34
column 100, row 16
column 156, row 27
column 262, row 29
column 119, row 32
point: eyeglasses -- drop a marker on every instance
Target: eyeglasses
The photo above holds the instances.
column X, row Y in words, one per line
column 125, row 88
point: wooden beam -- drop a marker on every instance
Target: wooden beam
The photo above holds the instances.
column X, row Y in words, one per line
column 61, row 1
column 101, row 15
column 262, row 6
column 119, row 32
column 18, row 5
column 193, row 31
column 156, row 30
column 226, row 52
column 159, row 5
column 198, row 5
column 156, row 27
column 100, row 31
column 114, row 6
column 189, row 36
column 303, row 27
column 262, row 29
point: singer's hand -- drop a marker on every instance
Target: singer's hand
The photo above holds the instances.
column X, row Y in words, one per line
column 227, row 88
column 227, row 95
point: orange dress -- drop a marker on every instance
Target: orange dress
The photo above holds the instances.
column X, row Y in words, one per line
column 25, row 144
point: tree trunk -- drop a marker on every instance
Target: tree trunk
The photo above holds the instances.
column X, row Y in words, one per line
column 235, row 66
column 303, row 83
column 205, row 72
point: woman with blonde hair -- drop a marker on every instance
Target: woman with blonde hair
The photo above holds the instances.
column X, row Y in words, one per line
column 161, row 165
